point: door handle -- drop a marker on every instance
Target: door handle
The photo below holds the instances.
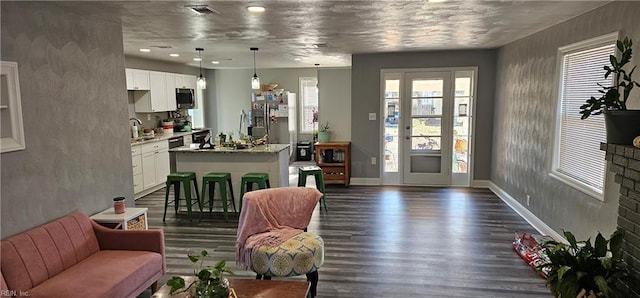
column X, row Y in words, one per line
column 407, row 137
column 408, row 127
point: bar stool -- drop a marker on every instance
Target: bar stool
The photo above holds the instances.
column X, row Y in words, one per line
column 175, row 179
column 222, row 179
column 248, row 179
column 316, row 172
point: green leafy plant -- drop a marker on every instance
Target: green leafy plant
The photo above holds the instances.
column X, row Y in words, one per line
column 324, row 127
column 211, row 282
column 622, row 84
column 579, row 267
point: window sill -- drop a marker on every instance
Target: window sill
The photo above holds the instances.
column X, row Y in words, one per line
column 592, row 192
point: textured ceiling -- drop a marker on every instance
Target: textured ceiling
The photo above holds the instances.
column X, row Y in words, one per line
column 289, row 29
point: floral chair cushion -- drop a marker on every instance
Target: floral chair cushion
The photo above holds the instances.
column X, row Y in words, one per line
column 302, row 254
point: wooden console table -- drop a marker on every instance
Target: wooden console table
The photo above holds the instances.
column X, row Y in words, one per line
column 335, row 160
column 251, row 288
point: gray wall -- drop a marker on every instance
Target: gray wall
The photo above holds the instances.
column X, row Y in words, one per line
column 335, row 102
column 74, row 107
column 365, row 96
column 524, row 121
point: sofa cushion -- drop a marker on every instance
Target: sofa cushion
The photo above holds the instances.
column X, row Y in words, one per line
column 122, row 273
column 45, row 251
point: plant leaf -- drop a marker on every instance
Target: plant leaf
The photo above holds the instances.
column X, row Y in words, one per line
column 601, row 246
column 571, row 239
column 602, row 285
column 175, row 283
column 562, row 270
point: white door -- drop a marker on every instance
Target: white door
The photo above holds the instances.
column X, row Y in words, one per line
column 426, row 128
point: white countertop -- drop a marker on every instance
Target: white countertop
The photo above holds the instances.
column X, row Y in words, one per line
column 163, row 137
column 270, row 148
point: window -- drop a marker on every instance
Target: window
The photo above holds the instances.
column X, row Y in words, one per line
column 12, row 131
column 308, row 104
column 197, row 114
column 578, row 160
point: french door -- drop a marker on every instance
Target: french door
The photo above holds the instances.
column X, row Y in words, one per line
column 427, row 126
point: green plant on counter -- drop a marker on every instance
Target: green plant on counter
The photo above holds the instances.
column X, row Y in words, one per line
column 580, row 269
column 210, row 284
column 323, row 127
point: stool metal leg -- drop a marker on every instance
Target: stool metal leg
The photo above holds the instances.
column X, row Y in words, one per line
column 195, row 184
column 176, row 195
column 166, row 199
column 212, row 193
column 320, row 185
column 223, row 199
column 187, row 197
column 233, row 200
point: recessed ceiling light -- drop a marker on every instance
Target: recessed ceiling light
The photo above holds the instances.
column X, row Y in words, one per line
column 297, row 59
column 215, row 62
column 197, row 59
column 174, row 55
column 145, row 50
column 435, row 1
column 255, row 8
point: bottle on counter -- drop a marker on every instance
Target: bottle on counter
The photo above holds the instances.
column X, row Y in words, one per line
column 134, row 131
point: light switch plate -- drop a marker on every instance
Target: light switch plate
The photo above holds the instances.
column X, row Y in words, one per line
column 372, row 116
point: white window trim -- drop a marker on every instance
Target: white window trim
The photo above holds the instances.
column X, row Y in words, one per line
column 578, row 46
column 16, row 141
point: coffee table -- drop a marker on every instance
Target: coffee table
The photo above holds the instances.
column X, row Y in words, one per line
column 251, row 288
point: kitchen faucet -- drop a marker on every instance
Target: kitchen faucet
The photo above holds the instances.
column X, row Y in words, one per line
column 137, row 120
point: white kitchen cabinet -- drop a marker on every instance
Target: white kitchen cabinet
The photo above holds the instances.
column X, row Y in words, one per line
column 137, row 79
column 157, row 99
column 171, row 91
column 155, row 163
column 185, row 81
column 136, row 163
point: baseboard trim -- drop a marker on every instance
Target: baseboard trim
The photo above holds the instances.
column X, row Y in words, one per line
column 527, row 215
column 480, row 183
column 148, row 191
column 365, row 181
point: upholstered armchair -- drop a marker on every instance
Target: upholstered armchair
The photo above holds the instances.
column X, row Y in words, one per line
column 272, row 237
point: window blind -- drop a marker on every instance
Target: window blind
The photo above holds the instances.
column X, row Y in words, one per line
column 579, row 155
column 309, row 98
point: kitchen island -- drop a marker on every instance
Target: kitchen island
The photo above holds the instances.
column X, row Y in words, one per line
column 271, row 158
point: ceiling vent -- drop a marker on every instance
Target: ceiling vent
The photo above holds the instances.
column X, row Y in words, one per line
column 161, row 47
column 202, row 9
column 319, row 45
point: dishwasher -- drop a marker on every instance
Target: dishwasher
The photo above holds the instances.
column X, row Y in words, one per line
column 174, row 143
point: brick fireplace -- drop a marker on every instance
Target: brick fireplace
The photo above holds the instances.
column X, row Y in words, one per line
column 624, row 161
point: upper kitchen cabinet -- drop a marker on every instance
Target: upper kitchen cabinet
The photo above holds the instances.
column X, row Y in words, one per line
column 185, row 81
column 137, row 79
column 171, row 91
column 160, row 97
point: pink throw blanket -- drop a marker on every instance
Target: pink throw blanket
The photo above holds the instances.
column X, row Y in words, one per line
column 271, row 217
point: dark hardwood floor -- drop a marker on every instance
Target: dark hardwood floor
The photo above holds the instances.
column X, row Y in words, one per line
column 385, row 242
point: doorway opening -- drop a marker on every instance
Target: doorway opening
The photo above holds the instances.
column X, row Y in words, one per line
column 427, row 132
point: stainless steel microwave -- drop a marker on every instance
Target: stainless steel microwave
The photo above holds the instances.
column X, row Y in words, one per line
column 185, row 98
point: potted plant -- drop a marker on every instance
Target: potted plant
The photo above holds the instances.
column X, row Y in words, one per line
column 622, row 125
column 579, row 269
column 323, row 133
column 210, row 281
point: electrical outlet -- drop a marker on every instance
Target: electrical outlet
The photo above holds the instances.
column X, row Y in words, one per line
column 148, row 116
column 373, row 161
column 372, row 116
column 528, row 200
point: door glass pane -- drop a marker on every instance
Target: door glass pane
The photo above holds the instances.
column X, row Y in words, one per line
column 425, row 144
column 463, row 86
column 426, row 106
column 462, row 121
column 427, row 88
column 392, row 104
column 426, row 127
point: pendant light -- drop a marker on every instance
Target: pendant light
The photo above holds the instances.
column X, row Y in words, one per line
column 255, row 80
column 317, row 76
column 201, row 82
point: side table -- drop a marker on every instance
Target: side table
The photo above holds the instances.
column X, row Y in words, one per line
column 131, row 219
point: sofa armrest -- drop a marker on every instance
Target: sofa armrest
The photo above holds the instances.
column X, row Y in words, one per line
column 147, row 240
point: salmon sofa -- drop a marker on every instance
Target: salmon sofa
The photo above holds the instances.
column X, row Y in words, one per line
column 75, row 257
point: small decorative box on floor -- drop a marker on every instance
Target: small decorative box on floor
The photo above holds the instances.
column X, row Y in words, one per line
column 131, row 219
